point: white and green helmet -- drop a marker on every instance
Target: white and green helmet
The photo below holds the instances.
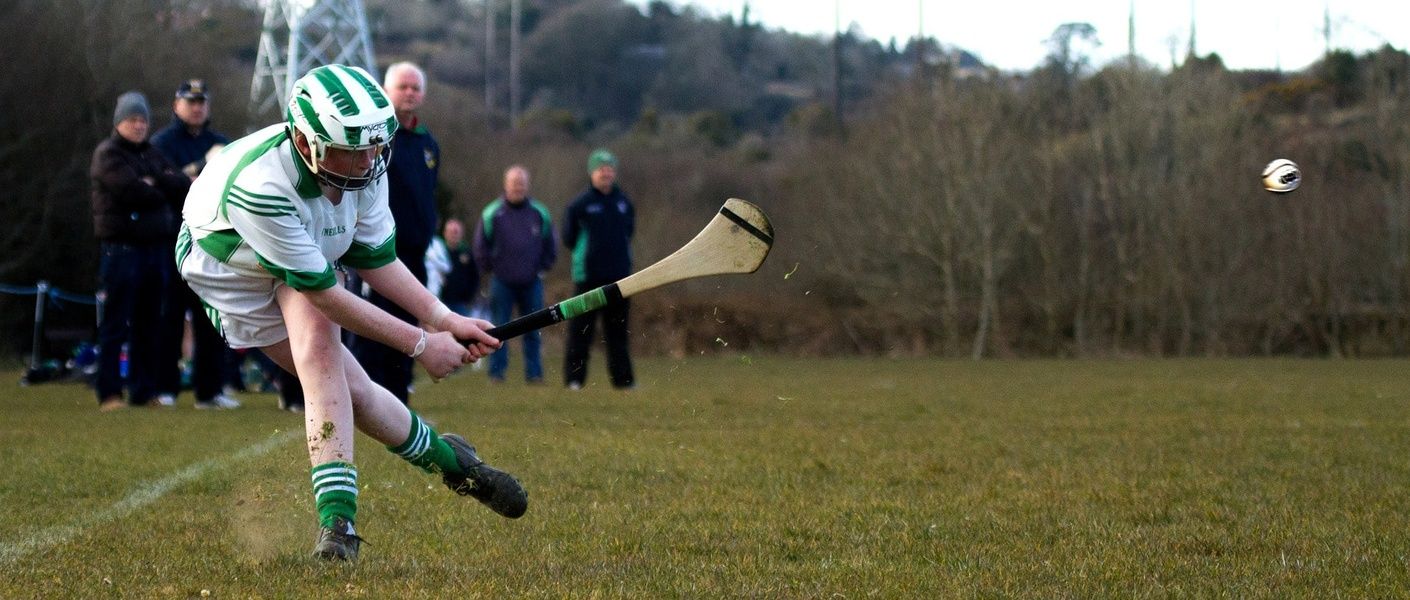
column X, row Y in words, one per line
column 339, row 106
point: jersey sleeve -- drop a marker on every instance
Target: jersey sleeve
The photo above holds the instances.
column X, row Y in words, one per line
column 270, row 225
column 374, row 240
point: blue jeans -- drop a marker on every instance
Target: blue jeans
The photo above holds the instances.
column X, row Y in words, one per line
column 529, row 298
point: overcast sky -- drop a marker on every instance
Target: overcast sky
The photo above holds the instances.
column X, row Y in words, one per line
column 1010, row 33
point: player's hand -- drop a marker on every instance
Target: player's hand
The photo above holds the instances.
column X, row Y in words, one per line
column 472, row 331
column 443, row 355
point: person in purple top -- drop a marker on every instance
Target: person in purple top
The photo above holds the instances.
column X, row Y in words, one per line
column 514, row 243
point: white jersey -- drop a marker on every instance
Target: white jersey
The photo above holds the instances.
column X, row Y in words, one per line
column 256, row 219
column 258, row 210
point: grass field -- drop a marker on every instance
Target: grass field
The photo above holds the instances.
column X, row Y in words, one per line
column 755, row 476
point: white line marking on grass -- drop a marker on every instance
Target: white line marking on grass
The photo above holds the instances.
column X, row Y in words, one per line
column 146, row 494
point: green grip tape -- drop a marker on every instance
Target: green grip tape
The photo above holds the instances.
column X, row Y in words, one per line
column 583, row 303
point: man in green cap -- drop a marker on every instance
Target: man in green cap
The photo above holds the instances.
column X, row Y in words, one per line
column 598, row 227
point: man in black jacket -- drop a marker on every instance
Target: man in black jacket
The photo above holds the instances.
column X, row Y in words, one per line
column 598, row 227
column 411, row 193
column 137, row 196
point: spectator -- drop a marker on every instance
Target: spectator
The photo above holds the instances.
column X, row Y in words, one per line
column 136, row 193
column 411, row 182
column 186, row 142
column 189, row 137
column 457, row 277
column 598, row 227
column 514, row 245
column 264, row 225
column 437, row 264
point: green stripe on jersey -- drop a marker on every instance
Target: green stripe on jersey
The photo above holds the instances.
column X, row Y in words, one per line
column 487, row 217
column 256, row 209
column 363, row 256
column 580, row 251
column 183, row 245
column 249, row 157
column 221, row 245
column 214, row 315
column 547, row 230
column 267, row 208
column 302, row 281
column 267, row 197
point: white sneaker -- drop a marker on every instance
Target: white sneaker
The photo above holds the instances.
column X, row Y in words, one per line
column 575, row 386
column 166, row 400
column 220, row 401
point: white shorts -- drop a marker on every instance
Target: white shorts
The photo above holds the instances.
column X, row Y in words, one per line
column 242, row 306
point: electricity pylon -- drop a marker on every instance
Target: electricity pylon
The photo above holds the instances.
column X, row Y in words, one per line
column 299, row 35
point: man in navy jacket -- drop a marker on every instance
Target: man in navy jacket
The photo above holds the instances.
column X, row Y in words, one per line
column 186, row 142
column 411, row 192
column 598, row 227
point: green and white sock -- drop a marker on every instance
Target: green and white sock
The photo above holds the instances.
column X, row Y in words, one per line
column 335, row 491
column 425, row 449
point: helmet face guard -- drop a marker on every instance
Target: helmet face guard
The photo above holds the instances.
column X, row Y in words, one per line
column 341, row 107
column 342, row 181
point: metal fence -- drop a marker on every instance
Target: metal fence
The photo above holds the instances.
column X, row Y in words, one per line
column 46, row 296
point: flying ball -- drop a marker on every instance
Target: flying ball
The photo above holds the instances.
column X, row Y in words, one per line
column 1281, row 176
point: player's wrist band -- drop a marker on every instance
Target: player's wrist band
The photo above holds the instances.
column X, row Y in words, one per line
column 420, row 345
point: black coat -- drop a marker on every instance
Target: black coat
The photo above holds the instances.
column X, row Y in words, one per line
column 604, row 223
column 128, row 209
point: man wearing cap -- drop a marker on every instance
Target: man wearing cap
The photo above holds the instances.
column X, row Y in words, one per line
column 189, row 138
column 411, row 194
column 598, row 227
column 137, row 198
column 186, row 142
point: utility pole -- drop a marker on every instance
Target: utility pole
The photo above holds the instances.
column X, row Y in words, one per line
column 1131, row 35
column 515, row 14
column 1192, row 53
column 1327, row 28
column 299, row 35
column 920, row 36
column 489, row 57
column 1278, row 43
column 837, row 62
